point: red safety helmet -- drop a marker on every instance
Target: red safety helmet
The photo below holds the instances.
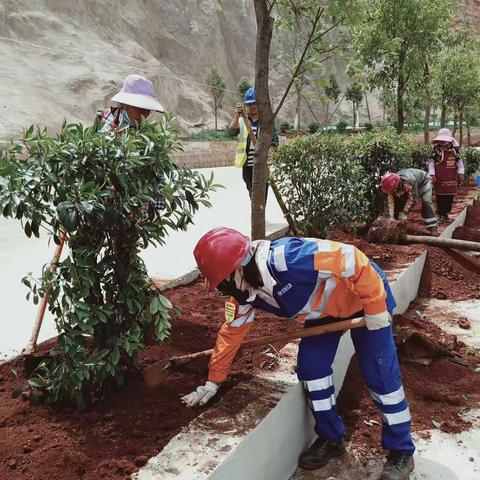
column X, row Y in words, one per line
column 390, row 182
column 219, row 252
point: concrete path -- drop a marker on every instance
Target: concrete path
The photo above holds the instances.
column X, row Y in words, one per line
column 20, row 255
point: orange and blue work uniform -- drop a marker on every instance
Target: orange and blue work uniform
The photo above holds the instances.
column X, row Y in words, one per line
column 321, row 281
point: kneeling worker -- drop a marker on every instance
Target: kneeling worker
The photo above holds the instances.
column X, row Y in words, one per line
column 319, row 281
column 405, row 187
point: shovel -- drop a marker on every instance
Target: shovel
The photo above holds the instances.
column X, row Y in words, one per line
column 153, row 374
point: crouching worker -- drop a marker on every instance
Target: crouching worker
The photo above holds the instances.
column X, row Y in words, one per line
column 320, row 282
column 406, row 187
column 446, row 170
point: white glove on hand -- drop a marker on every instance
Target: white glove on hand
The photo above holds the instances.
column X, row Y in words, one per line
column 377, row 321
column 201, row 395
column 402, row 216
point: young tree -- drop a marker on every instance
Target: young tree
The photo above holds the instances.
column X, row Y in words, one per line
column 332, row 93
column 354, row 94
column 242, row 87
column 112, row 195
column 457, row 72
column 394, row 40
column 216, row 86
column 320, row 20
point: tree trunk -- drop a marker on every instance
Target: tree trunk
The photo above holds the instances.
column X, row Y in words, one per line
column 368, row 108
column 401, row 93
column 296, row 125
column 266, row 119
column 428, row 108
column 354, row 111
column 443, row 114
column 455, row 123
column 326, row 115
column 469, row 137
column 461, row 126
column 215, row 110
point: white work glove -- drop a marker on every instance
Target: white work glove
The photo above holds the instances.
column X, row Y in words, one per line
column 201, row 395
column 377, row 321
column 402, row 216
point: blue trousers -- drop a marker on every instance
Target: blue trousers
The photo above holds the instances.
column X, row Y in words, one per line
column 378, row 362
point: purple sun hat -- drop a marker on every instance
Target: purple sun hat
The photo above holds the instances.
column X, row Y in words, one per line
column 137, row 91
column 444, row 135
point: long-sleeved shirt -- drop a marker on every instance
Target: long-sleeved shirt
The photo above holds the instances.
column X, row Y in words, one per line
column 302, row 278
column 420, row 182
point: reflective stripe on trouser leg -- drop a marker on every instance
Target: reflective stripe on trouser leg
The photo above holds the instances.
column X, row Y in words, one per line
column 428, row 211
column 378, row 362
column 314, row 369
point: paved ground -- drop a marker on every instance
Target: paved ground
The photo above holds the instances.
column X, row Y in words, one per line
column 20, row 255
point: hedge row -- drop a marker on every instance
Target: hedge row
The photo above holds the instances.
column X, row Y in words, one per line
column 333, row 180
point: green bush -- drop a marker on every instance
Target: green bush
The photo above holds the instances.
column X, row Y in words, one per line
column 420, row 156
column 285, row 127
column 209, row 135
column 471, row 160
column 113, row 194
column 369, row 127
column 321, row 185
column 378, row 153
column 342, row 126
column 314, row 127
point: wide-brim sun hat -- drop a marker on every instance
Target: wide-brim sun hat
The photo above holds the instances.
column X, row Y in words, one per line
column 445, row 135
column 137, row 91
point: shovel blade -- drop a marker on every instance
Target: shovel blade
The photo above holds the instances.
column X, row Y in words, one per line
column 154, row 374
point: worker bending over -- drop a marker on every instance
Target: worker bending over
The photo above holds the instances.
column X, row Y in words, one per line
column 318, row 281
column 406, row 187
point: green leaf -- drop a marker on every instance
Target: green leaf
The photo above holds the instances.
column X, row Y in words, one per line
column 155, row 305
column 165, row 301
column 37, row 382
column 28, row 229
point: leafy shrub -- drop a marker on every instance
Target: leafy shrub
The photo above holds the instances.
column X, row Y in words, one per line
column 369, row 127
column 378, row 153
column 342, row 126
column 285, row 127
column 314, row 127
column 113, row 194
column 471, row 160
column 420, row 156
column 321, row 185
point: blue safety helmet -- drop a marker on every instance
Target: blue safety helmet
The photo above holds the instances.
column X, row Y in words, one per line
column 250, row 96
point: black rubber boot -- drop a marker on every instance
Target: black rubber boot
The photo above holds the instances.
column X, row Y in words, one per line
column 399, row 465
column 320, row 453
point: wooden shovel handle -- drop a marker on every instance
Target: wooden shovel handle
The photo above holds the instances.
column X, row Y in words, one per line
column 304, row 332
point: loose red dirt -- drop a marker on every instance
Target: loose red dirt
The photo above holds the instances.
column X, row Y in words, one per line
column 115, row 438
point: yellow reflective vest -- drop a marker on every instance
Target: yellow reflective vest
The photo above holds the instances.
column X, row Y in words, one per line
column 241, row 154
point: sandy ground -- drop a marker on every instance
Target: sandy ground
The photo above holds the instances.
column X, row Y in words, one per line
column 20, row 255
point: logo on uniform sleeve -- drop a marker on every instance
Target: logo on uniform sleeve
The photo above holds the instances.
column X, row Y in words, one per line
column 230, row 311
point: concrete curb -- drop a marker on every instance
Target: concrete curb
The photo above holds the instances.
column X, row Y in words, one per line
column 458, row 222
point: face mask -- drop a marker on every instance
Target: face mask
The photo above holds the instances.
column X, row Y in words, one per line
column 229, row 288
column 126, row 118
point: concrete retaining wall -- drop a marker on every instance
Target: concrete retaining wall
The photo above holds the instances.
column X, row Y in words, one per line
column 206, row 154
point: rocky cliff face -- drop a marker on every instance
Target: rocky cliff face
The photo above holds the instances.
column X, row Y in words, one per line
column 65, row 58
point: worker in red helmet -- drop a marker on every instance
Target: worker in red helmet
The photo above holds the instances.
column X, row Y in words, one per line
column 318, row 281
column 406, row 187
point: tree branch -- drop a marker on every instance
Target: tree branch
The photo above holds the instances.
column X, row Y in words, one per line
column 302, row 57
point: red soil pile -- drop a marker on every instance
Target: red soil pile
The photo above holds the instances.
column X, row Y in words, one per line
column 113, row 439
column 437, row 393
column 450, row 274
